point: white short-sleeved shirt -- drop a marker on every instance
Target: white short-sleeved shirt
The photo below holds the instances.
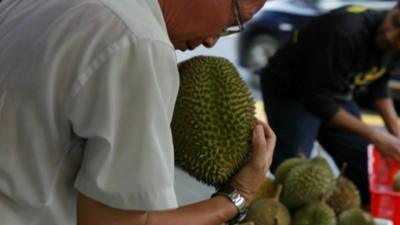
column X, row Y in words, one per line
column 87, row 90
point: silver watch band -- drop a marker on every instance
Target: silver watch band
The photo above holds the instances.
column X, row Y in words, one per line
column 237, row 199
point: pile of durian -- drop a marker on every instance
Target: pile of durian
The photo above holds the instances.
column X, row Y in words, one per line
column 306, row 192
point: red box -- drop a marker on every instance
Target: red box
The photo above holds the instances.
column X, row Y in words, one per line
column 385, row 202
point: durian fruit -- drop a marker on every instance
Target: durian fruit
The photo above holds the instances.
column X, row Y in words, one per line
column 266, row 189
column 345, row 194
column 285, row 167
column 213, row 120
column 268, row 211
column 306, row 183
column 355, row 216
column 316, row 213
column 396, row 181
column 321, row 160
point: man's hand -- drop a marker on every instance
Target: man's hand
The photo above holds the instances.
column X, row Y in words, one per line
column 395, row 130
column 386, row 109
column 248, row 180
column 388, row 145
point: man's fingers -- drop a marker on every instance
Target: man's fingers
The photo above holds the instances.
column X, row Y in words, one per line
column 259, row 141
column 269, row 134
column 263, row 145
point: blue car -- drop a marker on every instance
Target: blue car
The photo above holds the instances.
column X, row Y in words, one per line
column 270, row 28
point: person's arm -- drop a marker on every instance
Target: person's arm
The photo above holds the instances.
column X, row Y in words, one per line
column 213, row 211
column 389, row 115
column 388, row 144
column 350, row 123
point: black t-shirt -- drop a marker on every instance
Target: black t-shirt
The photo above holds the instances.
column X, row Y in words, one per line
column 326, row 60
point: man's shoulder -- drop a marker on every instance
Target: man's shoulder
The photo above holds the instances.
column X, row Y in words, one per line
column 142, row 18
column 354, row 16
column 347, row 21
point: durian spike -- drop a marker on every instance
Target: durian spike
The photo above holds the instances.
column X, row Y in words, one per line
column 278, row 192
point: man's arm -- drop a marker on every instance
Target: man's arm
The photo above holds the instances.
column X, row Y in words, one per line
column 213, row 211
column 389, row 115
column 388, row 144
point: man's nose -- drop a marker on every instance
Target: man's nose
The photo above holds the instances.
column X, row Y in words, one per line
column 210, row 42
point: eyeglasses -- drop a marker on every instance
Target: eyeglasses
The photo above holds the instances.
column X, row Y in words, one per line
column 239, row 27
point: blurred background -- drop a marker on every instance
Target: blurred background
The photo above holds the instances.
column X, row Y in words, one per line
column 251, row 49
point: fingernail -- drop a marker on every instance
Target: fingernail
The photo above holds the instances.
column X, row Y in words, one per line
column 255, row 131
column 260, row 131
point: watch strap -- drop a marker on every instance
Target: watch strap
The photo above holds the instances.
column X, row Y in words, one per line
column 237, row 199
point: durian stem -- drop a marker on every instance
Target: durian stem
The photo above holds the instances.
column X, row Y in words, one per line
column 301, row 153
column 275, row 220
column 278, row 192
column 343, row 169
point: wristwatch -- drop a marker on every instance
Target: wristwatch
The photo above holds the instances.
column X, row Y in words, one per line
column 237, row 199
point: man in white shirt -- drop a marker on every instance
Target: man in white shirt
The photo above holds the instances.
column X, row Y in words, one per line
column 87, row 89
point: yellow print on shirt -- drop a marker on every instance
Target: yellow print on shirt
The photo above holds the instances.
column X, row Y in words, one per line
column 295, row 37
column 366, row 78
column 356, row 9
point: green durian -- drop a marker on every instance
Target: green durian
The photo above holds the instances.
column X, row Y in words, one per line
column 285, row 167
column 213, row 120
column 306, row 183
column 396, row 181
column 316, row 213
column 266, row 190
column 355, row 216
column 268, row 211
column 345, row 194
column 321, row 161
